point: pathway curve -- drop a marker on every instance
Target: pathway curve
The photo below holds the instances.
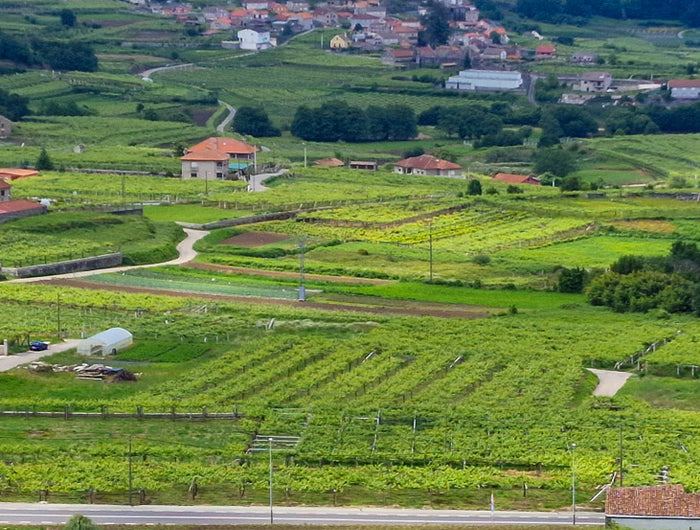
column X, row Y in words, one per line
column 12, row 361
column 185, row 251
column 255, row 183
column 146, row 74
column 610, row 381
column 228, row 119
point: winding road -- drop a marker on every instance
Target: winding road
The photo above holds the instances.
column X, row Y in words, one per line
column 52, row 514
column 185, row 250
column 610, row 381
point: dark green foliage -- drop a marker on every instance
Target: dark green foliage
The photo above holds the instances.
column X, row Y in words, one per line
column 571, row 280
column 628, row 265
column 80, row 522
column 502, row 139
column 474, row 187
column 570, row 183
column 437, row 25
column 336, row 120
column 44, row 163
column 254, row 121
column 414, row 151
column 469, row 122
column 557, row 161
column 512, row 188
column 12, row 106
column 68, row 18
column 548, row 90
column 430, row 116
column 68, row 56
column 55, row 108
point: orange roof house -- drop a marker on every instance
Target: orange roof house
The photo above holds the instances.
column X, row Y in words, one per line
column 427, row 165
column 12, row 173
column 15, row 209
column 330, row 162
column 231, row 146
column 510, row 178
column 545, row 51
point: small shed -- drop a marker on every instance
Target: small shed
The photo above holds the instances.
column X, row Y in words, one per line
column 107, row 342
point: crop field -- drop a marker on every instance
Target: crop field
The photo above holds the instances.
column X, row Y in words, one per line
column 402, row 405
column 66, row 236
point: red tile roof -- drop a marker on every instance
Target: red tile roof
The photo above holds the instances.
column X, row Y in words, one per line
column 4, row 185
column 330, row 162
column 224, row 145
column 510, row 178
column 545, row 49
column 205, row 155
column 427, row 162
column 684, row 83
column 13, row 173
column 19, row 205
column 669, row 500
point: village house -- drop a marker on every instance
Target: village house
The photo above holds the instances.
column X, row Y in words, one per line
column 684, row 88
column 649, row 507
column 340, row 42
column 427, row 165
column 583, row 58
column 255, row 40
column 325, row 17
column 494, row 53
column 11, row 174
column 545, row 52
column 595, row 82
column 216, row 158
column 491, row 80
column 330, row 162
column 398, row 57
column 298, row 5
column 363, row 164
column 427, row 57
column 16, row 209
column 5, row 127
column 516, row 179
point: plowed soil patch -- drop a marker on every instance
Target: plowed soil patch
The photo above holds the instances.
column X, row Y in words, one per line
column 254, row 239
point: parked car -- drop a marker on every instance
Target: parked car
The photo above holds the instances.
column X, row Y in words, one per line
column 37, row 345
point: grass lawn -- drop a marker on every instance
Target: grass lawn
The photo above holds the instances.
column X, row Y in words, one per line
column 664, row 392
column 190, row 213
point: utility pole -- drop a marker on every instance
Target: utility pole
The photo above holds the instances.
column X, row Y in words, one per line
column 302, row 288
column 58, row 314
column 206, row 183
column 269, row 441
column 620, row 472
column 305, row 159
column 430, row 241
column 573, row 484
column 131, row 482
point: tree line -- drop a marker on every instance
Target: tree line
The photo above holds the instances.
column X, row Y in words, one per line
column 337, row 120
column 56, row 54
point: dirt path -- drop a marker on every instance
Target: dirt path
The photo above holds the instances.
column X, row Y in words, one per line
column 285, row 274
column 12, row 361
column 609, row 381
column 228, row 119
column 185, row 250
column 360, row 304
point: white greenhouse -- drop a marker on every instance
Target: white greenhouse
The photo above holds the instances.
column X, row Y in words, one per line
column 107, row 342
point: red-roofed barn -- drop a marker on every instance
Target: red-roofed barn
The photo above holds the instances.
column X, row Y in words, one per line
column 427, row 165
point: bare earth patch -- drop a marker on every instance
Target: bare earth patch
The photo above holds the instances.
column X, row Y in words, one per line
column 255, row 239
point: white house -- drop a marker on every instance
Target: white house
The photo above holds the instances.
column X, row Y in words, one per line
column 485, row 80
column 107, row 342
column 255, row 40
column 595, row 82
column 684, row 88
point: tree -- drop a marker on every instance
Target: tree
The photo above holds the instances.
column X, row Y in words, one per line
column 254, row 121
column 571, row 280
column 80, row 522
column 13, row 106
column 44, row 161
column 554, row 160
column 437, row 25
column 67, row 18
column 474, row 187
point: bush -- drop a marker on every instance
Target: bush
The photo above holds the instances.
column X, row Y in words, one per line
column 512, row 188
column 481, row 259
column 80, row 522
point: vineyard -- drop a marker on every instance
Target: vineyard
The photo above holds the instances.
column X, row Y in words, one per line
column 404, row 405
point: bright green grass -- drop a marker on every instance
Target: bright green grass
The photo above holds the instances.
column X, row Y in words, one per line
column 591, row 252
column 464, row 295
column 189, row 213
column 664, row 392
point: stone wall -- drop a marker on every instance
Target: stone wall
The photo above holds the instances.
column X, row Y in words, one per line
column 64, row 267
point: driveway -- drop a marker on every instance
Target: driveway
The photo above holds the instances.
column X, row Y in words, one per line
column 610, row 381
column 12, row 361
column 255, row 183
column 185, row 250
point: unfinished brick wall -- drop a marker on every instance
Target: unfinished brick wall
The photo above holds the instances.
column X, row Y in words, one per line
column 664, row 501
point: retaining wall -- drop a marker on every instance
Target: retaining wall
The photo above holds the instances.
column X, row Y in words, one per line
column 63, row 267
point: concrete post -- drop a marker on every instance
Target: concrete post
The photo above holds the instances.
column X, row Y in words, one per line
column 5, row 348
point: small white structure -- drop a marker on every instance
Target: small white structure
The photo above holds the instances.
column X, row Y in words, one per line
column 485, row 80
column 595, row 82
column 107, row 342
column 254, row 40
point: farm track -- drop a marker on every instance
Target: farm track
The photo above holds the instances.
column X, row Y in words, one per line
column 371, row 304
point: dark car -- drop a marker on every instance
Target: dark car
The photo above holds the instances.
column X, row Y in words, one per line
column 37, row 345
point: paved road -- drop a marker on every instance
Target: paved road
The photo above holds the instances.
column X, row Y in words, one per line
column 228, row 119
column 20, row 513
column 610, row 382
column 255, row 183
column 185, row 250
column 11, row 361
column 146, row 74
